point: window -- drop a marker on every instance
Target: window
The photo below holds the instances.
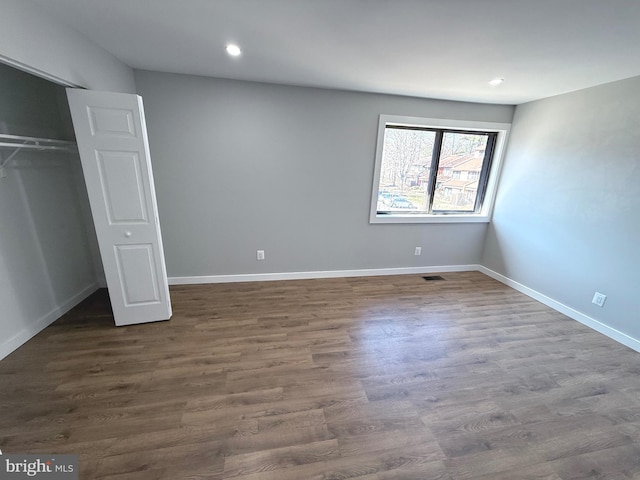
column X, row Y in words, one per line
column 430, row 170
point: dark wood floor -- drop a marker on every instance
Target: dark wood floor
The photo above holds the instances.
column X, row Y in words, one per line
column 369, row 378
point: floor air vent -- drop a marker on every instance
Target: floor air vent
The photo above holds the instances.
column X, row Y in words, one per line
column 431, row 278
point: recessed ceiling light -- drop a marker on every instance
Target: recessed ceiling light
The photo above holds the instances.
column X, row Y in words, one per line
column 233, row 50
column 496, row 81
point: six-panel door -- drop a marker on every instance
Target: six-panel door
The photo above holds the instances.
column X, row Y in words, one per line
column 112, row 142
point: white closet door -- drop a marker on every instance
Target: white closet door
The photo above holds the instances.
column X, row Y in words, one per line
column 112, row 142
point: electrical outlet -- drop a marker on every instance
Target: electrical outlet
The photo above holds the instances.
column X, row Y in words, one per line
column 598, row 299
column 260, row 254
column 418, row 251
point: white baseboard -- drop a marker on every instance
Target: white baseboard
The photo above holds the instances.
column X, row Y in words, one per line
column 262, row 277
column 610, row 332
column 13, row 343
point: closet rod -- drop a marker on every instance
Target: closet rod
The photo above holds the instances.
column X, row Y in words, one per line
column 30, row 143
column 22, row 138
column 20, row 146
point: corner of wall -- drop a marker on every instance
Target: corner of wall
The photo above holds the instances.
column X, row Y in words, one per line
column 11, row 344
column 586, row 320
column 35, row 41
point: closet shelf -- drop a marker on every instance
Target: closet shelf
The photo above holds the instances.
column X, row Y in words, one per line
column 20, row 142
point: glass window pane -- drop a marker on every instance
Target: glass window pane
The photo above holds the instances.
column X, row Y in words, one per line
column 459, row 167
column 404, row 172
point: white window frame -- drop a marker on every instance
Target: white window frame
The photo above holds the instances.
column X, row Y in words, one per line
column 484, row 215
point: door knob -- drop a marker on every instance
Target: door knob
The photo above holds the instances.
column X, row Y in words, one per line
column 128, row 234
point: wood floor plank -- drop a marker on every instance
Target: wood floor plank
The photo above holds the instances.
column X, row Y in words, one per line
column 274, row 459
column 374, row 378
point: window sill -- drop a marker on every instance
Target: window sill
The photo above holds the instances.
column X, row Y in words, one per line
column 409, row 218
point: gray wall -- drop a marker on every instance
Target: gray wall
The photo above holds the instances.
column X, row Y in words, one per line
column 32, row 106
column 46, row 264
column 567, row 216
column 33, row 38
column 242, row 166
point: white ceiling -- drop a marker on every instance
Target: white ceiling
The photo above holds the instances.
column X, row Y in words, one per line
column 427, row 48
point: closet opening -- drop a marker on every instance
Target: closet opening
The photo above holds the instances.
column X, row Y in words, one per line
column 49, row 257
